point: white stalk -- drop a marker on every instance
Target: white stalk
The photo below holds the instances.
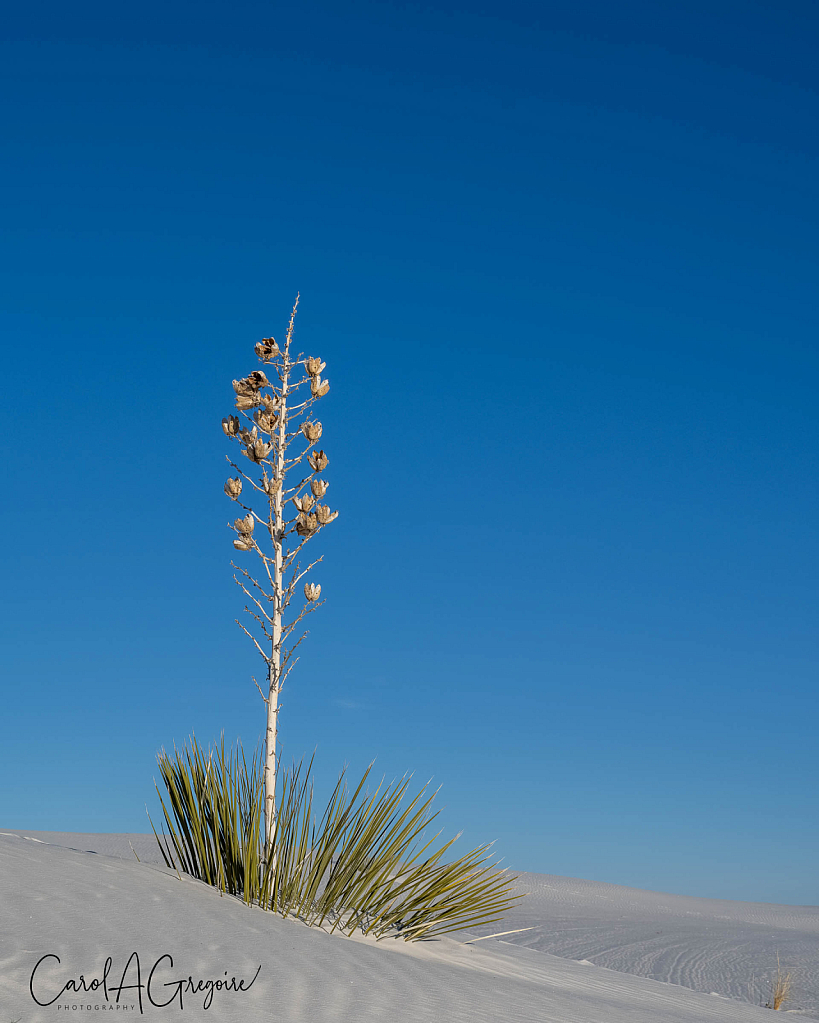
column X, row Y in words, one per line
column 274, row 677
column 268, row 607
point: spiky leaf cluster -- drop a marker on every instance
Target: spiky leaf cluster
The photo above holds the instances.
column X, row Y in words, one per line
column 366, row 862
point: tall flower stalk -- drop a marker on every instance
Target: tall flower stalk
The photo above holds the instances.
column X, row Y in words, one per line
column 271, row 418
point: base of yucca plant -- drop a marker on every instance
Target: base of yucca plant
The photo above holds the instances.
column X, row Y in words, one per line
column 366, row 863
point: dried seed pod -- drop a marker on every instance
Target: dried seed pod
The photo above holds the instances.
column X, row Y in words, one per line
column 318, row 461
column 243, row 543
column 312, row 431
column 265, row 420
column 252, row 383
column 306, row 525
column 312, row 591
column 233, row 488
column 324, row 515
column 271, row 401
column 271, row 486
column 319, row 387
column 246, row 401
column 314, row 366
column 304, row 503
column 245, row 525
column 231, row 426
column 248, row 436
column 319, row 487
column 258, row 451
column 267, row 349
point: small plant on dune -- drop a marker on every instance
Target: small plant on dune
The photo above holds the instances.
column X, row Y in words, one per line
column 366, row 862
column 780, row 987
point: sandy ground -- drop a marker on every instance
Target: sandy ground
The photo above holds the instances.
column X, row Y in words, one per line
column 704, row 944
column 595, row 953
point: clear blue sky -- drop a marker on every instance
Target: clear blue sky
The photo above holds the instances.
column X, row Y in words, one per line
column 561, row 261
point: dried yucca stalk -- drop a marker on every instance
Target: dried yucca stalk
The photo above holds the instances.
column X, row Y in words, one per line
column 271, row 418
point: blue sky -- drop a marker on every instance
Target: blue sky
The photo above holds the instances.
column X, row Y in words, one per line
column 561, row 263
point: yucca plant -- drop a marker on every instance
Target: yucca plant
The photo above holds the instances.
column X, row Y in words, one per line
column 367, row 862
column 272, row 416
column 364, row 863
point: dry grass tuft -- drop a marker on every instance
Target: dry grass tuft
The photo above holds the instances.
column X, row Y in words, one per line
column 780, row 987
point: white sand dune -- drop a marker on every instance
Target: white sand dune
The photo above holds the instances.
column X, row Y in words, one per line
column 85, row 898
column 705, row 944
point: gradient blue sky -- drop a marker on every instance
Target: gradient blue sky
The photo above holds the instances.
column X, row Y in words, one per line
column 561, row 261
